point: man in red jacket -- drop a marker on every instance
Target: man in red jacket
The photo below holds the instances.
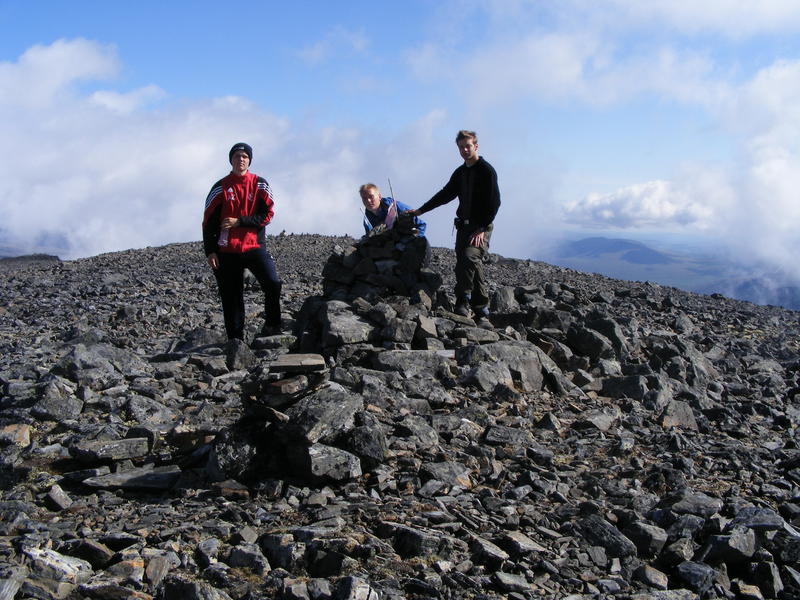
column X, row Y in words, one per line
column 238, row 207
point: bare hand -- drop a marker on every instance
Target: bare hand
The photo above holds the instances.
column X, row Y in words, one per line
column 476, row 239
column 213, row 261
column 229, row 222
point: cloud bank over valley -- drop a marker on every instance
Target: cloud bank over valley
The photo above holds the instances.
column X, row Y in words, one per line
column 667, row 117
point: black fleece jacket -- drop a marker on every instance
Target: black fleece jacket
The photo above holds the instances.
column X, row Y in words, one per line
column 477, row 192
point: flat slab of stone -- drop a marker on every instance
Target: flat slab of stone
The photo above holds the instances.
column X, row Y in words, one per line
column 99, row 450
column 320, row 529
column 521, row 543
column 411, row 541
column 694, row 503
column 449, row 472
column 297, row 363
column 52, row 565
column 161, row 478
column 601, row 420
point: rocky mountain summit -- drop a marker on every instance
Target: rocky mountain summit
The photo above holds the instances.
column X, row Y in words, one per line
column 605, row 439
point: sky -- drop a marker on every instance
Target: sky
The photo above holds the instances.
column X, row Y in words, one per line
column 663, row 118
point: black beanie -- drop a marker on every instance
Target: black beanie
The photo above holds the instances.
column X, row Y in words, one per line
column 241, row 146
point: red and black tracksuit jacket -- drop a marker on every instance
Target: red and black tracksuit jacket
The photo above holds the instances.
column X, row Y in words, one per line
column 246, row 197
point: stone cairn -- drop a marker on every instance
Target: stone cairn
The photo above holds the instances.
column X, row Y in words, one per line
column 318, row 429
column 383, row 263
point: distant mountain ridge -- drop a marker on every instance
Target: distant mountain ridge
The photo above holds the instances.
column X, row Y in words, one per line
column 626, row 250
column 7, row 262
column 705, row 274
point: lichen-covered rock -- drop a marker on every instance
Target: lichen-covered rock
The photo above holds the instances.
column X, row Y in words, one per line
column 323, row 416
column 521, row 360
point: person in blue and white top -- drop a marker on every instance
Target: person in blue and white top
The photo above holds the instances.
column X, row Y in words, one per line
column 376, row 209
column 392, row 214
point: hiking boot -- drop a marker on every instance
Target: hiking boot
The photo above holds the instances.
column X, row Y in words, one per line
column 482, row 318
column 463, row 305
column 484, row 323
column 462, row 308
column 268, row 330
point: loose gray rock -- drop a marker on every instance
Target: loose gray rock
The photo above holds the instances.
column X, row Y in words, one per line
column 521, row 360
column 600, row 532
column 323, row 415
column 696, row 576
column 327, row 462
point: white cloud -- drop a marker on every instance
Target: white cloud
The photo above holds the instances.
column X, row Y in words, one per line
column 578, row 61
column 731, row 19
column 600, row 53
column 653, row 204
column 751, row 204
column 734, row 18
column 558, row 67
column 665, row 72
column 767, row 108
column 44, row 75
column 551, row 66
column 127, row 102
column 337, row 40
column 766, row 112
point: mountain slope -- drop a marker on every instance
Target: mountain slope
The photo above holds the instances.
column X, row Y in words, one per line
column 604, row 438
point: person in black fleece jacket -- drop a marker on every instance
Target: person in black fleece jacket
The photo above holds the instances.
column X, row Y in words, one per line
column 475, row 185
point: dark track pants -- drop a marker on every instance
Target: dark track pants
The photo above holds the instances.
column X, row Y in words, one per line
column 230, row 280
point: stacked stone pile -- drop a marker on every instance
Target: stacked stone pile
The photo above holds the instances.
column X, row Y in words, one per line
column 606, row 439
column 382, row 263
